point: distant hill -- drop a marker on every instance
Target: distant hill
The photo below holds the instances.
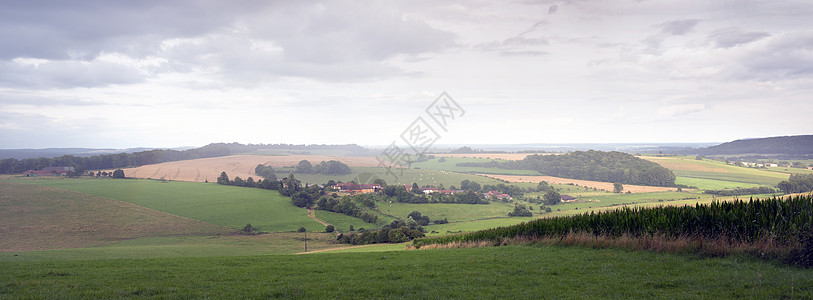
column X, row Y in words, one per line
column 799, row 145
column 54, row 152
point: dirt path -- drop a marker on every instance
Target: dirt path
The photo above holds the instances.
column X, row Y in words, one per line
column 312, row 215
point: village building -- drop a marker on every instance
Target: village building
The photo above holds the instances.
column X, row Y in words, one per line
column 497, row 195
column 568, row 198
column 357, row 188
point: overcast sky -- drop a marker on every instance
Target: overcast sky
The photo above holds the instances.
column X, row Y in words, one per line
column 187, row 73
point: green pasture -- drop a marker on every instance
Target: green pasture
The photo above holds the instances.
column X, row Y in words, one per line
column 230, row 206
column 474, row 225
column 450, row 164
column 342, row 222
column 396, row 176
column 452, row 212
column 510, row 272
column 713, row 184
column 186, row 246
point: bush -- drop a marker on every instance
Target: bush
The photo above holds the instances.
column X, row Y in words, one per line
column 301, row 229
column 329, row 228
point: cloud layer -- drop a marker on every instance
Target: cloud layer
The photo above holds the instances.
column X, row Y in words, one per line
column 158, row 73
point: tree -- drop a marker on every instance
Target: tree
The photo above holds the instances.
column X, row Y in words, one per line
column 520, row 211
column 304, row 166
column 542, row 186
column 473, row 186
column 91, row 174
column 380, row 182
column 118, row 173
column 416, row 189
column 301, row 229
column 618, row 187
column 223, row 178
column 329, row 228
column 238, row 181
column 552, row 198
column 248, row 229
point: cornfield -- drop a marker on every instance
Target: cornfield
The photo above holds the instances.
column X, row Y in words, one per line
column 776, row 219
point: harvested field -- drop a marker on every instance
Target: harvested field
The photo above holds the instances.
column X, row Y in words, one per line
column 503, row 156
column 607, row 186
column 673, row 163
column 208, row 169
column 39, row 218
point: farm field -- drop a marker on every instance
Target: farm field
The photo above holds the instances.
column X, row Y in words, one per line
column 490, row 156
column 451, row 212
column 510, row 272
column 722, row 175
column 39, row 217
column 607, row 186
column 450, row 164
column 228, row 206
column 399, row 176
column 208, row 169
column 276, row 243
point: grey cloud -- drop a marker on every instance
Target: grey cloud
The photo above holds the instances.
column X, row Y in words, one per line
column 66, row 74
column 82, row 29
column 355, row 37
column 678, row 27
column 552, row 9
column 731, row 37
column 781, row 57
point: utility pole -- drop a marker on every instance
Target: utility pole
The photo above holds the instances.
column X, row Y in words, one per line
column 306, row 241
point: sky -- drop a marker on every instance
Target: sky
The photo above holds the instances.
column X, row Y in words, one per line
column 119, row 74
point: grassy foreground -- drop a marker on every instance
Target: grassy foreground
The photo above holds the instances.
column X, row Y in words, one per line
column 505, row 272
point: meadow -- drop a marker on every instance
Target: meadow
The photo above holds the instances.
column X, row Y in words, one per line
column 450, row 164
column 511, row 272
column 228, row 206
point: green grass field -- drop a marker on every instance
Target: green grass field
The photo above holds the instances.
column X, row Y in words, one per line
column 450, row 164
column 186, row 246
column 209, row 202
column 401, row 176
column 452, row 212
column 343, row 222
column 510, row 272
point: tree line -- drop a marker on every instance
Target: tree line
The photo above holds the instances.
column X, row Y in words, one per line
column 797, row 183
column 111, row 161
column 742, row 191
column 591, row 165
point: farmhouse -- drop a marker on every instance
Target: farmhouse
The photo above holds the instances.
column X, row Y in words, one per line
column 568, row 198
column 49, row 171
column 497, row 195
column 357, row 188
column 432, row 190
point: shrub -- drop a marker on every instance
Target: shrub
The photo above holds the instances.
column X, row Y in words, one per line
column 301, row 229
column 329, row 228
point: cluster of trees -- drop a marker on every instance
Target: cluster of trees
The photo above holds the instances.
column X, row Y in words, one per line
column 742, row 191
column 398, row 193
column 422, row 220
column 396, row 232
column 797, row 183
column 520, row 211
column 346, row 206
column 111, row 161
column 592, row 165
column 118, row 173
column 268, row 184
column 265, row 171
column 331, row 167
